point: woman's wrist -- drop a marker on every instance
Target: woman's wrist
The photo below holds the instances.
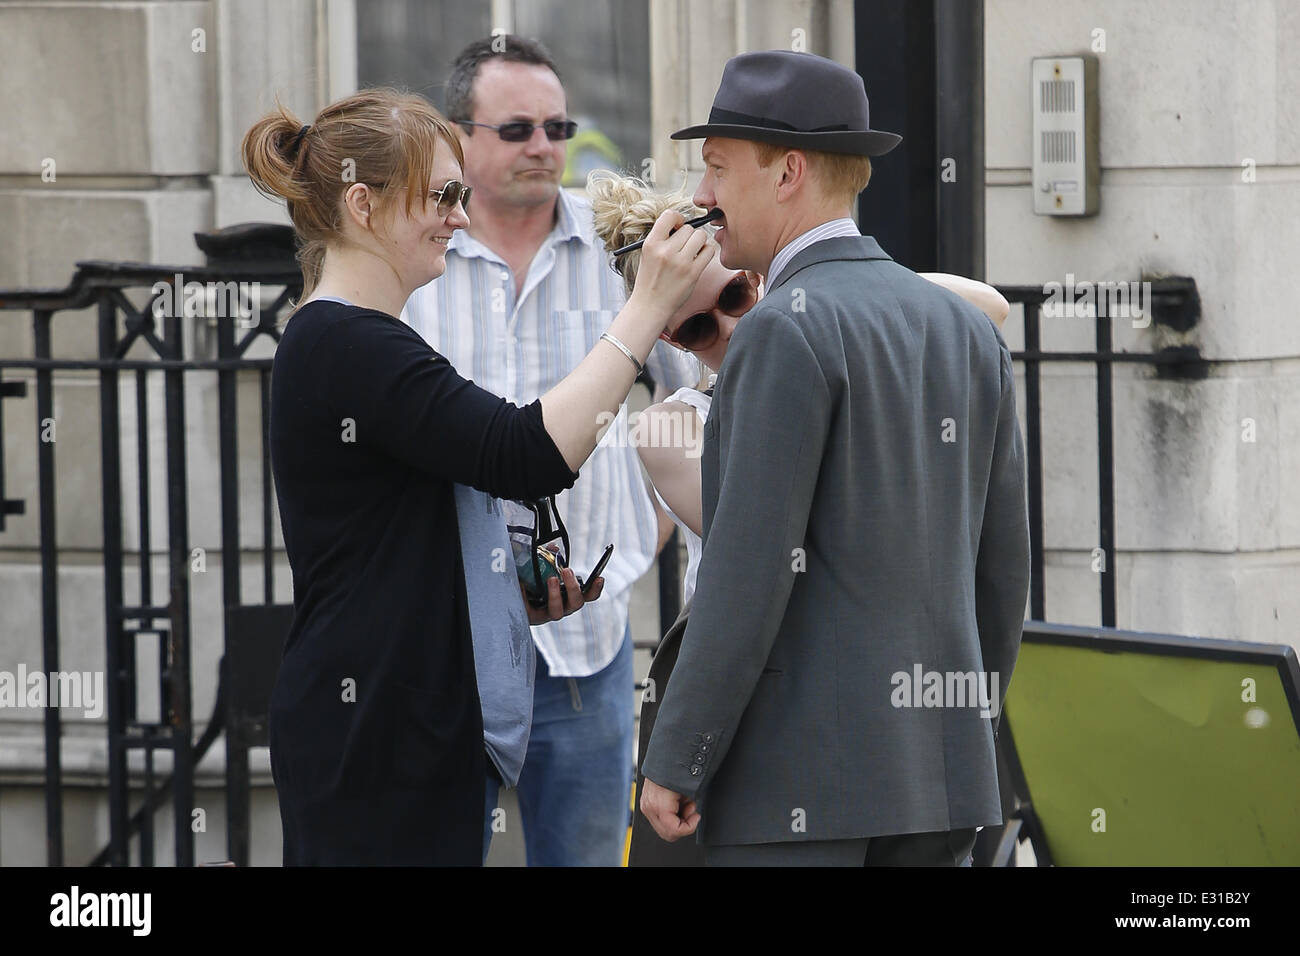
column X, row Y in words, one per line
column 637, row 326
column 627, row 352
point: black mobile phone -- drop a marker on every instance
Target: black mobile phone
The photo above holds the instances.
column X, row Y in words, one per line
column 600, row 566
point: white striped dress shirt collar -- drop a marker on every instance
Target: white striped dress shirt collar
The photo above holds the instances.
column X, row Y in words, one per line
column 827, row 230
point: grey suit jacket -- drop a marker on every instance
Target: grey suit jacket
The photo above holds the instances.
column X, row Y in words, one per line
column 864, row 524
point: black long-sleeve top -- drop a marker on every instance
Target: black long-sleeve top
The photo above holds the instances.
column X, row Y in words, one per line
column 375, row 724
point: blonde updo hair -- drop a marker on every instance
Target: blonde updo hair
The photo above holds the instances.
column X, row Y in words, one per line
column 625, row 209
column 382, row 137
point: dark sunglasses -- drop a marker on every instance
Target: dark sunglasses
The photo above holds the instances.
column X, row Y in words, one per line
column 520, row 132
column 543, row 559
column 454, row 192
column 700, row 330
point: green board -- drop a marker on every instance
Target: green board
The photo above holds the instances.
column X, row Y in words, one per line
column 1138, row 759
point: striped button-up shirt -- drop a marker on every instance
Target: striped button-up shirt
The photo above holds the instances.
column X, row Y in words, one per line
column 521, row 346
column 827, row 230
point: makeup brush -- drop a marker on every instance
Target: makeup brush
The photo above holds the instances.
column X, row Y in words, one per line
column 712, row 215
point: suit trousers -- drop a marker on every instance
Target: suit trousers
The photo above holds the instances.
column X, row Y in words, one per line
column 938, row 848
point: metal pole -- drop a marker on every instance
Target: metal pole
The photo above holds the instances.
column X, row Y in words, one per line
column 178, row 552
column 959, row 107
column 110, row 455
column 49, row 592
column 1106, row 467
column 1034, row 463
column 237, row 775
column 894, row 53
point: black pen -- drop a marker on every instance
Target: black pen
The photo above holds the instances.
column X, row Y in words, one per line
column 712, row 215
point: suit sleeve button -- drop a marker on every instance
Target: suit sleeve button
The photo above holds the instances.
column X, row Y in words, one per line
column 695, row 771
column 699, row 758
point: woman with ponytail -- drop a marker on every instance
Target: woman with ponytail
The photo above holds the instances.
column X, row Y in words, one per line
column 384, row 460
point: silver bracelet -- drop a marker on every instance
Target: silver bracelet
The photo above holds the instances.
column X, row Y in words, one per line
column 625, row 350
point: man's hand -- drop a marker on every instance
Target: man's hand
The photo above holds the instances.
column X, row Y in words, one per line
column 671, row 814
column 556, row 607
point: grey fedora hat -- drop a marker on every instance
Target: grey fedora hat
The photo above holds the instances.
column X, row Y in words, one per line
column 793, row 99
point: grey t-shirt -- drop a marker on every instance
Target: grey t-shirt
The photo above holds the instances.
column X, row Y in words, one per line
column 504, row 657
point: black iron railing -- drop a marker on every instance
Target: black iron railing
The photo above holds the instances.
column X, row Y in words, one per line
column 253, row 631
column 1174, row 303
column 158, row 328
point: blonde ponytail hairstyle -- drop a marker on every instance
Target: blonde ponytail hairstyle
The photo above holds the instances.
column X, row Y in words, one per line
column 382, row 137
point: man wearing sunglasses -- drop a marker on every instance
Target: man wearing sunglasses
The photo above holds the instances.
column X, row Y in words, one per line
column 527, row 292
column 864, row 517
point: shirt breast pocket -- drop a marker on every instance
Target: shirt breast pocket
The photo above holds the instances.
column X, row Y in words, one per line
column 575, row 333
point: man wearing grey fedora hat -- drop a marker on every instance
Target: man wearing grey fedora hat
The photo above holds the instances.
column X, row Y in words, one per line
column 865, row 565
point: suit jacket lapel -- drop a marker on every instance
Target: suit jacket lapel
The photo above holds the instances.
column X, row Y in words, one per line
column 841, row 248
